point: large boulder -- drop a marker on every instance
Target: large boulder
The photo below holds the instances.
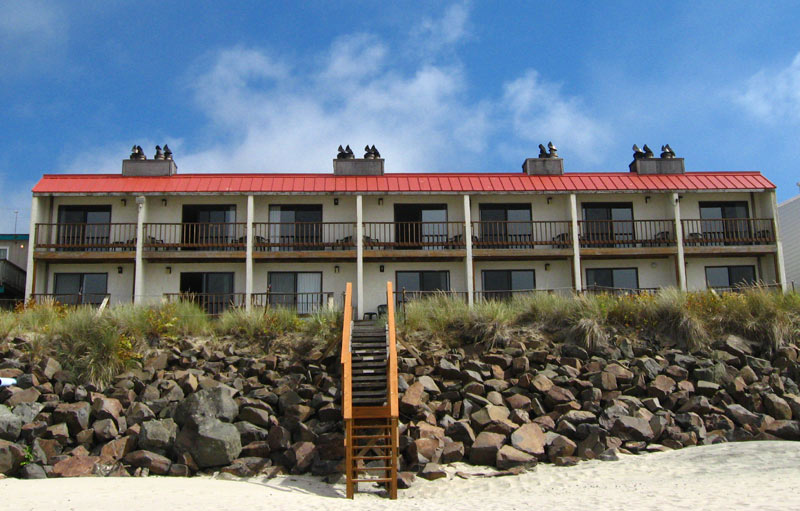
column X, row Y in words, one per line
column 76, row 466
column 509, row 457
column 10, row 425
column 74, row 415
column 155, row 463
column 11, row 456
column 211, row 442
column 633, row 428
column 484, row 449
column 213, row 403
column 529, row 438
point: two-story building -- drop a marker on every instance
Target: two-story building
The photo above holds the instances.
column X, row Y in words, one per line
column 152, row 233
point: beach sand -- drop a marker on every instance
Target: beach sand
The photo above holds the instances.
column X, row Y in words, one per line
column 752, row 475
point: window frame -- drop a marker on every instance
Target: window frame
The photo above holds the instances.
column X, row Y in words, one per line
column 728, row 268
column 612, row 269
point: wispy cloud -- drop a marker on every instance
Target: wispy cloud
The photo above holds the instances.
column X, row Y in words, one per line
column 31, row 33
column 267, row 113
column 773, row 95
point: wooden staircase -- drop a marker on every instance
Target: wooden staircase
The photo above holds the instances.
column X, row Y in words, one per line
column 369, row 398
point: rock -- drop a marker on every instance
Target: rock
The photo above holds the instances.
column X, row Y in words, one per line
column 529, row 438
column 518, row 402
column 139, row 413
column 487, row 415
column 741, row 415
column 559, row 446
column 104, row 430
column 577, row 417
column 632, row 428
column 32, row 471
column 76, row 466
column 542, row 383
column 255, row 416
column 661, row 387
column 300, row 456
column 155, row 463
column 158, row 435
column 256, row 450
column 107, row 408
column 10, row 425
column 27, row 411
column 11, row 456
column 452, row 452
column 49, row 367
column 29, row 395
column 413, row 398
column 557, row 396
column 784, row 429
column 735, row 345
column 247, row 467
column 461, row 432
column 212, row 443
column 604, row 380
column 74, row 415
column 619, row 372
column 428, row 384
column 484, row 449
column 432, row 471
column 213, row 403
column 279, row 438
column 508, row 457
column 405, row 479
column 748, row 375
column 706, row 388
column 117, row 449
column 777, row 407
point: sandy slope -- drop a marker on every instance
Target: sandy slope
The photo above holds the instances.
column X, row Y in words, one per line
column 755, row 475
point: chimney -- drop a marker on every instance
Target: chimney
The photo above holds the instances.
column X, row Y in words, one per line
column 546, row 164
column 645, row 162
column 162, row 163
column 346, row 164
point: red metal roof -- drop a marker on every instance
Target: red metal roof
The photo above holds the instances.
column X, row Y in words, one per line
column 84, row 184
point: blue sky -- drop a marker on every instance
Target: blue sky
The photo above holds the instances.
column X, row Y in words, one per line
column 450, row 86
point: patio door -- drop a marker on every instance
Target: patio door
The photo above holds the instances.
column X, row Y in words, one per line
column 295, row 227
column 88, row 227
column 211, row 290
column 80, row 288
column 209, row 225
column 505, row 225
column 420, row 226
column 608, row 225
column 296, row 290
column 724, row 222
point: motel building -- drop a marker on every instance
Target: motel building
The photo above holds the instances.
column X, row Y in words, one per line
column 150, row 233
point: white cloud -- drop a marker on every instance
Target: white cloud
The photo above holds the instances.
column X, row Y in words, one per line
column 268, row 114
column 32, row 33
column 433, row 35
column 773, row 95
column 540, row 112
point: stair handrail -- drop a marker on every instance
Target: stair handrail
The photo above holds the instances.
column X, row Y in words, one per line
column 347, row 357
column 391, row 367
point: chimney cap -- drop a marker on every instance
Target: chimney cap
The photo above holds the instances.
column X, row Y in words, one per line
column 162, row 163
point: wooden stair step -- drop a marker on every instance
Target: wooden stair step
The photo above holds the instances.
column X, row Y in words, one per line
column 358, row 437
column 376, row 480
column 372, row 458
column 371, row 469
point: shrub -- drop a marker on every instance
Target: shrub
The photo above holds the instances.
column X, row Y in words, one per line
column 324, row 325
column 259, row 326
column 678, row 315
column 8, row 321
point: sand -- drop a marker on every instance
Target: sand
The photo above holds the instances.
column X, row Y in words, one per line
column 754, row 475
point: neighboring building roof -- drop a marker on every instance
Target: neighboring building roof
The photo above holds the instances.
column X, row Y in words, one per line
column 88, row 184
column 13, row 237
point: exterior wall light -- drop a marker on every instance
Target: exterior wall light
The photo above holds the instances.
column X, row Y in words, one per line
column 380, row 201
column 163, row 202
column 546, row 266
column 646, row 199
column 168, row 269
column 119, row 269
column 124, row 202
column 336, row 269
column 381, row 268
column 549, row 200
column 336, row 201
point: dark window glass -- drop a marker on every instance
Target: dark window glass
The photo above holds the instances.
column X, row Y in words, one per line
column 420, row 226
column 212, row 228
column 614, row 278
column 730, row 276
column 80, row 288
column 212, row 290
column 505, row 225
column 724, row 221
column 423, row 280
column 298, row 225
column 299, row 290
column 608, row 224
column 84, row 225
column 502, row 283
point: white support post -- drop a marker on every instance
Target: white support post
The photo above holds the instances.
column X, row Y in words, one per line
column 680, row 262
column 576, row 244
column 32, row 241
column 360, row 257
column 468, row 258
column 780, row 268
column 138, row 280
column 248, row 265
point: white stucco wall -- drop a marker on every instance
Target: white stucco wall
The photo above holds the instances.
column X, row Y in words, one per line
column 119, row 285
column 558, row 276
column 696, row 268
column 653, row 273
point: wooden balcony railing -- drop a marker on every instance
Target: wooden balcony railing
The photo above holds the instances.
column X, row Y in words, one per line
column 728, row 231
column 414, row 235
column 212, row 303
column 626, row 233
column 93, row 299
column 195, row 236
column 286, row 236
column 12, row 276
column 522, row 234
column 302, row 303
column 110, row 237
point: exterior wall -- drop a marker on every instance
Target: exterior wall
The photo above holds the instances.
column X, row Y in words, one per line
column 690, row 203
column 17, row 251
column 696, row 269
column 345, row 211
column 375, row 281
column 558, row 209
column 656, row 272
column 374, row 212
column 158, row 280
column 173, row 211
column 119, row 285
column 789, row 218
column 331, row 281
column 558, row 276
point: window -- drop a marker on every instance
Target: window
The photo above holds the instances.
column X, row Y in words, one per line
column 210, row 225
column 612, row 279
column 296, row 290
column 212, row 290
column 420, row 226
column 608, row 224
column 84, row 225
column 418, row 283
column 505, row 225
column 295, row 227
column 727, row 277
column 3, row 253
column 80, row 288
column 724, row 222
column 501, row 284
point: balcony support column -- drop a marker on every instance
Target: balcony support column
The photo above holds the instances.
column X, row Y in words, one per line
column 138, row 273
column 248, row 265
column 780, row 269
column 576, row 244
column 470, row 275
column 680, row 259
column 359, row 257
column 33, row 240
